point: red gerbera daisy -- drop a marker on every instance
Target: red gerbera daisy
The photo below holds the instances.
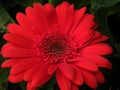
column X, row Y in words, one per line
column 60, row 41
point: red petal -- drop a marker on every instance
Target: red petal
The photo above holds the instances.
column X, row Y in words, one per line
column 41, row 80
column 26, row 23
column 95, row 25
column 40, row 17
column 51, row 16
column 100, row 39
column 65, row 14
column 29, row 73
column 74, row 87
column 99, row 60
column 29, row 87
column 67, row 70
column 63, row 82
column 87, row 20
column 97, row 35
column 84, row 25
column 41, row 76
column 78, row 78
column 19, row 40
column 85, row 38
column 52, row 68
column 10, row 50
column 32, row 17
column 86, row 64
column 23, row 65
column 14, row 28
column 104, row 49
column 99, row 76
column 16, row 78
column 10, row 62
column 77, row 17
column 89, row 79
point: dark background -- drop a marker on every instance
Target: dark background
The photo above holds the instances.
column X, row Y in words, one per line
column 113, row 23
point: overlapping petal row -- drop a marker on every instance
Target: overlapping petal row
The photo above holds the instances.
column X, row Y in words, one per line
column 60, row 41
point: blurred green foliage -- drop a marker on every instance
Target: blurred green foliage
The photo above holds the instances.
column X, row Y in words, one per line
column 102, row 9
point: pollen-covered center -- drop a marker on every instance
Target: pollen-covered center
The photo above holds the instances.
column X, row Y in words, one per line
column 52, row 45
column 56, row 47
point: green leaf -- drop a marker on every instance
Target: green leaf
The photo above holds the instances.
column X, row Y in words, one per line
column 51, row 1
column 23, row 85
column 2, row 87
column 96, row 4
column 118, row 47
column 55, row 2
column 3, row 72
column 49, row 85
column 101, row 18
column 113, row 9
column 84, row 3
column 4, row 19
column 3, row 75
column 28, row 2
column 100, row 86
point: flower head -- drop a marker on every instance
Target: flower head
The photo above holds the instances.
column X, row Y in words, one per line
column 60, row 41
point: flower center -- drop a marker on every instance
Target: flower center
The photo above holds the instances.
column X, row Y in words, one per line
column 56, row 48
column 54, row 45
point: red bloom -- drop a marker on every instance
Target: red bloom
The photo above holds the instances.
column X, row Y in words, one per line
column 60, row 41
